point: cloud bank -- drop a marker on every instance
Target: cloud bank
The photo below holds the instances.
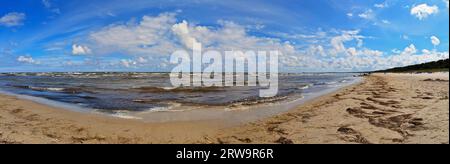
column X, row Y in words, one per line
column 156, row 37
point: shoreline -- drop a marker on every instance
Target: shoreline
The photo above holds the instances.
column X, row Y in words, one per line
column 231, row 115
column 89, row 127
column 24, row 121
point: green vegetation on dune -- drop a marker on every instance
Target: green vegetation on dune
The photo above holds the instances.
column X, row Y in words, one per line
column 435, row 66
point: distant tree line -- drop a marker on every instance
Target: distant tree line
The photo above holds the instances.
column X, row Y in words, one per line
column 441, row 65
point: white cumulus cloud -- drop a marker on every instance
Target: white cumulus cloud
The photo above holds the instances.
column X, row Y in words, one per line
column 182, row 31
column 422, row 11
column 80, row 50
column 337, row 42
column 12, row 19
column 435, row 40
column 411, row 49
column 381, row 5
column 161, row 35
column 27, row 59
column 368, row 14
column 151, row 36
column 127, row 63
column 385, row 21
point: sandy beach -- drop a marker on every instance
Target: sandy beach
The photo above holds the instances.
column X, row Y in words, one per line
column 384, row 108
column 23, row 121
column 392, row 108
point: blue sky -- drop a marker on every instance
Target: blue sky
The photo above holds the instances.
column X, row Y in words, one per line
column 140, row 35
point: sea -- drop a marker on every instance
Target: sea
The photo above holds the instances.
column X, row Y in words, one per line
column 125, row 94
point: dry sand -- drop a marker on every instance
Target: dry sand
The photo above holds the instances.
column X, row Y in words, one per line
column 391, row 108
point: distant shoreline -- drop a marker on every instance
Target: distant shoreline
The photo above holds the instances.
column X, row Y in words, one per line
column 434, row 66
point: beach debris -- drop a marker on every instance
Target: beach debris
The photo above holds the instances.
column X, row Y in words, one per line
column 245, row 140
column 276, row 129
column 220, row 141
column 436, row 80
column 284, row 140
column 208, row 140
column 346, row 130
column 350, row 135
column 18, row 110
column 358, row 112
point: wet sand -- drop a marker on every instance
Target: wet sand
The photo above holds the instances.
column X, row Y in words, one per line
column 23, row 121
column 392, row 108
